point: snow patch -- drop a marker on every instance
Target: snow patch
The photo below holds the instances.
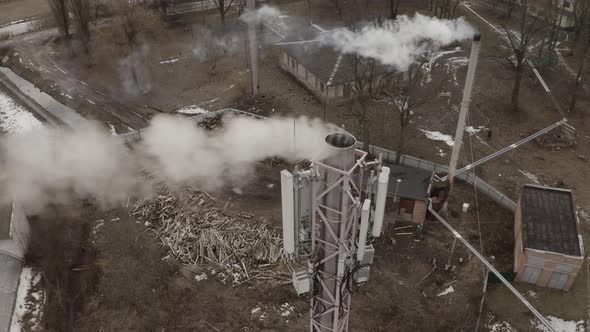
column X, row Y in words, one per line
column 530, row 176
column 448, row 290
column 438, row 136
column 440, row 152
column 192, row 109
column 169, row 61
column 501, row 327
column 23, row 305
column 14, row 118
column 472, row 130
column 286, row 309
column 560, row 325
column 229, row 87
column 201, row 277
column 67, row 95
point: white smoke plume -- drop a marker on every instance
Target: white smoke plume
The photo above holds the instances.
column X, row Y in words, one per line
column 261, row 14
column 134, row 71
column 398, row 43
column 185, row 155
column 54, row 165
column 51, row 165
column 210, row 45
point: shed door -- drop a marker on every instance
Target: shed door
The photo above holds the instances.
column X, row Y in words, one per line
column 531, row 274
column 558, row 280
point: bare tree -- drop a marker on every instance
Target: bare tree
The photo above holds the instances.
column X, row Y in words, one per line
column 581, row 16
column 137, row 22
column 363, row 74
column 81, row 12
column 582, row 51
column 223, row 7
column 444, row 8
column 59, row 10
column 393, row 8
column 408, row 95
column 210, row 46
column 520, row 43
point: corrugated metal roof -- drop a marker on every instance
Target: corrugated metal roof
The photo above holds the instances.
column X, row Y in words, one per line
column 549, row 220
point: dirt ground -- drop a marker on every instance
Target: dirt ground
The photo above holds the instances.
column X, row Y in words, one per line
column 167, row 297
column 105, row 272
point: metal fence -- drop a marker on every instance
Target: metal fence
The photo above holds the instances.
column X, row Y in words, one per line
column 388, row 155
column 480, row 185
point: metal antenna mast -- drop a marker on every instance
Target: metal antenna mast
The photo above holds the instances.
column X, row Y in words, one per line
column 323, row 220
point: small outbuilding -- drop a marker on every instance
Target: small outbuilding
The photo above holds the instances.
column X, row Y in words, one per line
column 548, row 244
column 410, row 193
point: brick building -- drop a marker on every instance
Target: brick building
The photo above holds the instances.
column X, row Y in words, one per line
column 548, row 244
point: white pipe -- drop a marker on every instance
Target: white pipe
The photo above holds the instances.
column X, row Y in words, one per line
column 289, row 231
column 382, row 187
column 364, row 230
column 490, row 266
column 473, row 57
column 253, row 42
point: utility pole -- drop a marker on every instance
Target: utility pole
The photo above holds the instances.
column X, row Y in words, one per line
column 253, row 42
column 465, row 102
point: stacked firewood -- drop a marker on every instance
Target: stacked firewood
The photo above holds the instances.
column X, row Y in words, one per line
column 233, row 247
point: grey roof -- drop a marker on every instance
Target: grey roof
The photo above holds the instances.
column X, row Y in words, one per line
column 414, row 184
column 549, row 220
column 320, row 59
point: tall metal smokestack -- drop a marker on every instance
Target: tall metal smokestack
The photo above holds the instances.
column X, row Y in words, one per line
column 253, row 45
column 331, row 300
column 464, row 107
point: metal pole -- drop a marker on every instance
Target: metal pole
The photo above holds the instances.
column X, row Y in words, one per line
column 491, row 267
column 506, row 149
column 464, row 107
column 253, row 42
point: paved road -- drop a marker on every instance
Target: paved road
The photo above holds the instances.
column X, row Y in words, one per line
column 105, row 103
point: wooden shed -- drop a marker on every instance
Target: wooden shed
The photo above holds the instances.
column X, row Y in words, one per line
column 412, row 192
column 548, row 244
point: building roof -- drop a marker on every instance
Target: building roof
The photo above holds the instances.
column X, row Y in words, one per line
column 326, row 63
column 549, row 220
column 414, row 184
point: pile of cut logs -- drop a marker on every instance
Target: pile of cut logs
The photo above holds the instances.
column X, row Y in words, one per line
column 233, row 247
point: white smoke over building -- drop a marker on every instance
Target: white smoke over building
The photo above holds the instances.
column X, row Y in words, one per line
column 398, row 43
column 54, row 165
column 258, row 16
column 51, row 165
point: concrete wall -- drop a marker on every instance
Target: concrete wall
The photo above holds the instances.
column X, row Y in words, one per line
column 312, row 83
column 18, row 242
